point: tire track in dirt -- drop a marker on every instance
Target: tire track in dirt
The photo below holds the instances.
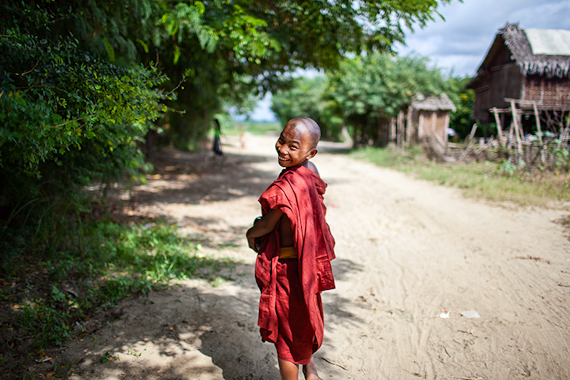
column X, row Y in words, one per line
column 406, row 249
column 445, row 251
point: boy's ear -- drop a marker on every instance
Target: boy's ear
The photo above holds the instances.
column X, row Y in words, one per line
column 312, row 153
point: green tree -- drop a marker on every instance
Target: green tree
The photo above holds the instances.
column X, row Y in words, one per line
column 230, row 49
column 67, row 118
column 369, row 90
column 462, row 119
column 225, row 50
column 305, row 98
column 81, row 81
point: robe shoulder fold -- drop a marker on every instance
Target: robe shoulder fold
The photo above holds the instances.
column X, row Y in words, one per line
column 298, row 192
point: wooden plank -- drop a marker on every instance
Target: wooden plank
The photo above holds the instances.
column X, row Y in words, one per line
column 537, row 118
column 421, row 126
column 540, row 106
column 466, row 151
column 445, row 128
column 470, row 144
column 539, row 132
column 502, row 110
column 409, row 127
column 439, row 140
column 510, row 137
column 499, row 127
column 472, row 134
column 400, row 130
column 565, row 133
column 516, row 124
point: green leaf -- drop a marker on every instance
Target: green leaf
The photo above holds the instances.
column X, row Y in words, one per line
column 200, row 6
column 143, row 44
column 110, row 50
column 176, row 54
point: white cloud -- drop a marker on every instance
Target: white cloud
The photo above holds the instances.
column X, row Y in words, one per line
column 462, row 40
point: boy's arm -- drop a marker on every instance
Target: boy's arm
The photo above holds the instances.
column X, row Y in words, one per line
column 265, row 225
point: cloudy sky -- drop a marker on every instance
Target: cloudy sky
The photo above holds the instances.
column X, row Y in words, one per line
column 461, row 41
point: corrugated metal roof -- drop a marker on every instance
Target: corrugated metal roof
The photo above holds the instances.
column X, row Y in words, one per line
column 549, row 41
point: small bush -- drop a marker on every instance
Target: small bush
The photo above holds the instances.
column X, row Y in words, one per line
column 112, row 262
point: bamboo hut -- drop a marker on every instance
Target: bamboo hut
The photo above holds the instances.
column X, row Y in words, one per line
column 523, row 86
column 427, row 120
column 525, row 73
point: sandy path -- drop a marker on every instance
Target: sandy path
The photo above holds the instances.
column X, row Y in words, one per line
column 406, row 249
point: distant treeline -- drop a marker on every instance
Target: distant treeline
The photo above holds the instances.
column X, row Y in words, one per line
column 365, row 92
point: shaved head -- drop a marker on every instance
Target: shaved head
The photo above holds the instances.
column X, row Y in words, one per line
column 307, row 125
column 297, row 143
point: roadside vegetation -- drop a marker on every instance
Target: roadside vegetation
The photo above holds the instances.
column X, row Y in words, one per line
column 82, row 87
column 366, row 92
column 486, row 180
column 255, row 128
column 48, row 296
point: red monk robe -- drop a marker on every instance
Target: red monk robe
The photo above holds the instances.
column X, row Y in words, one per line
column 298, row 192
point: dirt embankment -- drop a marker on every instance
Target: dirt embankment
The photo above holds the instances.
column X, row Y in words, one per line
column 408, row 253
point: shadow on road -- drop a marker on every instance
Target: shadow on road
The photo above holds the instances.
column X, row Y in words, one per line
column 192, row 178
column 195, row 330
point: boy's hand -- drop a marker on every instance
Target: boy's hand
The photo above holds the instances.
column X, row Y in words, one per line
column 264, row 226
column 251, row 243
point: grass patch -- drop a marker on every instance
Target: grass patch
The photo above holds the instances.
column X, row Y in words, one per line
column 255, row 128
column 47, row 299
column 485, row 180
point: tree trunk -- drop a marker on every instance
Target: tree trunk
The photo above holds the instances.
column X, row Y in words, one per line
column 383, row 131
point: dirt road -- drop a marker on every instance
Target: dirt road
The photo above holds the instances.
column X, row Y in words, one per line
column 407, row 251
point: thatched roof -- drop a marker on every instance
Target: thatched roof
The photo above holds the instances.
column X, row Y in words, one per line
column 536, row 51
column 433, row 103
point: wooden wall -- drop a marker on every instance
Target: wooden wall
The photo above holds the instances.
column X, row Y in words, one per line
column 551, row 91
column 503, row 80
column 435, row 122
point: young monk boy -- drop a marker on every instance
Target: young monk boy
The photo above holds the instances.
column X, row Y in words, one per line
column 293, row 262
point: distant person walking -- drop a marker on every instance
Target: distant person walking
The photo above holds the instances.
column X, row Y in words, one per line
column 217, row 146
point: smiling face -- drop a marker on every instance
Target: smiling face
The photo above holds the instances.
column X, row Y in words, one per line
column 295, row 145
